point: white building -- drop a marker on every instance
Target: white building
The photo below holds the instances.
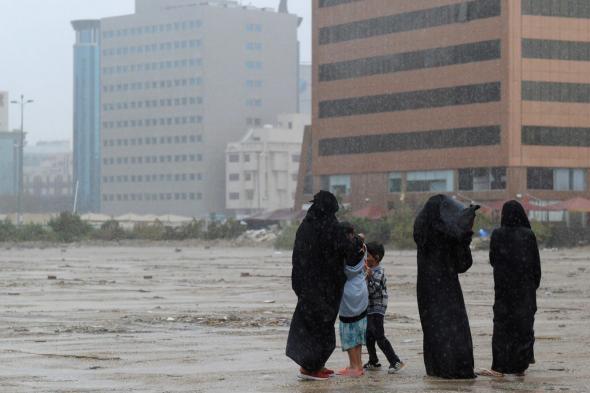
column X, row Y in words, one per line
column 48, row 170
column 262, row 168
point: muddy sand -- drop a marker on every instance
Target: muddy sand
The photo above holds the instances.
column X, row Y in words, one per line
column 166, row 319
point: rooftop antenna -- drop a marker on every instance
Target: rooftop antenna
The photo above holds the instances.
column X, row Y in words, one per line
column 283, row 7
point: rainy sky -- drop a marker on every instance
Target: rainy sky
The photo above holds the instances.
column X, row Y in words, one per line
column 36, row 55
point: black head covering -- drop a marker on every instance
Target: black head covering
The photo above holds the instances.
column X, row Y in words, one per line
column 324, row 205
column 444, row 216
column 514, row 215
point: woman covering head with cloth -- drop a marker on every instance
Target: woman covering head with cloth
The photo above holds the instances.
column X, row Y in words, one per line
column 443, row 233
column 321, row 246
column 514, row 255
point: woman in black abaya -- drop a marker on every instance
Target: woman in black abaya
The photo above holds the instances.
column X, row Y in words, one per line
column 318, row 281
column 443, row 232
column 514, row 255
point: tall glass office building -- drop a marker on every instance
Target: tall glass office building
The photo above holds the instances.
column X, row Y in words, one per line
column 87, row 115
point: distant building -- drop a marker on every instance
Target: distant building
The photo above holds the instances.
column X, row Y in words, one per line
column 4, row 110
column 484, row 99
column 262, row 168
column 179, row 80
column 8, row 163
column 305, row 89
column 48, row 171
column 87, row 155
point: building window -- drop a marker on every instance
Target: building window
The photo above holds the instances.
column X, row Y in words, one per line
column 556, row 179
column 482, row 179
column 556, row 136
column 395, row 182
column 556, row 8
column 247, row 176
column 337, row 184
column 401, row 62
column 434, row 181
column 412, row 100
column 234, row 196
column 296, row 157
column 234, row 177
column 419, row 140
column 234, row 158
column 462, row 12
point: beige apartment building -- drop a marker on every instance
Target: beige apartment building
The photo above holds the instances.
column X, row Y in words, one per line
column 180, row 79
column 262, row 168
column 487, row 99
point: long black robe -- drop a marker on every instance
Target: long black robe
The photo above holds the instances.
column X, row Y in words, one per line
column 514, row 255
column 443, row 232
column 318, row 281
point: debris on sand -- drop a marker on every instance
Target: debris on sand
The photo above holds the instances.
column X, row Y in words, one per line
column 246, row 274
column 57, row 355
column 52, row 277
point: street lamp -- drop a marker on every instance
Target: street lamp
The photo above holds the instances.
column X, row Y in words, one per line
column 21, row 148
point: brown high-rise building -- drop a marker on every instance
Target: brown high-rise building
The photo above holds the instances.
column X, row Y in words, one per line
column 485, row 99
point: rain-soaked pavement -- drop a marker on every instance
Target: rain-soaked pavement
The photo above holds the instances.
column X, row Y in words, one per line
column 191, row 319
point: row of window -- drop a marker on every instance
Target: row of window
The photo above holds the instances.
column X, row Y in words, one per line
column 555, row 91
column 469, row 179
column 254, row 46
column 422, row 99
column 162, row 121
column 254, row 102
column 331, row 3
column 559, row 8
column 422, row 140
column 163, row 140
column 235, row 196
column 178, row 177
column 556, row 136
column 152, row 66
column 151, row 48
column 153, row 159
column 236, row 158
column 162, row 103
column 254, row 65
column 235, row 177
column 399, row 62
column 556, row 179
column 557, row 50
column 152, row 29
column 162, row 84
column 254, row 28
column 178, row 196
column 449, row 14
column 254, row 83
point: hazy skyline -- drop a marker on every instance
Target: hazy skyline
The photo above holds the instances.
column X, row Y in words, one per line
column 36, row 50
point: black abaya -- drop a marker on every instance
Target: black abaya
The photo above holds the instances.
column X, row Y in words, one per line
column 514, row 255
column 318, row 281
column 443, row 232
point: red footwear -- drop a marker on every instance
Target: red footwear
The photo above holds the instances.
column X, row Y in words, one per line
column 327, row 371
column 306, row 375
column 352, row 373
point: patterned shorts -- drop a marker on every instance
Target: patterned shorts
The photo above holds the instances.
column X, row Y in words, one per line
column 353, row 334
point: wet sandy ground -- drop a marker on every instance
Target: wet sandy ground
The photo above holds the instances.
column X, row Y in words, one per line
column 162, row 319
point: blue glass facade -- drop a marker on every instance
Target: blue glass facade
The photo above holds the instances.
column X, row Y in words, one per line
column 87, row 115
